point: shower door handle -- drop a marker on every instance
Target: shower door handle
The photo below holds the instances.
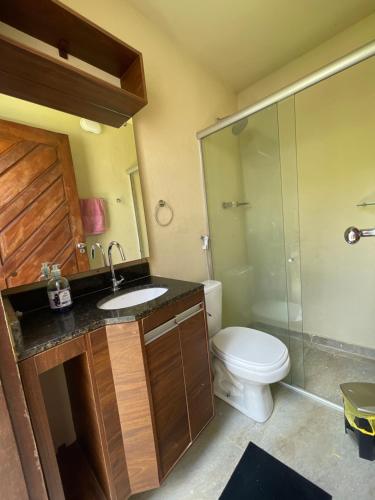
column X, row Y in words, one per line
column 352, row 235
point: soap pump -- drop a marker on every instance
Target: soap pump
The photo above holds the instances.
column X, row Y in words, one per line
column 45, row 272
column 58, row 290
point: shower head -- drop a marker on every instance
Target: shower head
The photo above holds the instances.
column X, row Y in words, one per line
column 353, row 234
column 239, row 126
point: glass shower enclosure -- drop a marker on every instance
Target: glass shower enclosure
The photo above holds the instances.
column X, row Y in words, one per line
column 251, row 192
column 283, row 183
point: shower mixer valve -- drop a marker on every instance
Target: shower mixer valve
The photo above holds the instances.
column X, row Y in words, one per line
column 353, row 234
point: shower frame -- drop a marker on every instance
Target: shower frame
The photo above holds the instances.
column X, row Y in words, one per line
column 337, row 66
column 351, row 59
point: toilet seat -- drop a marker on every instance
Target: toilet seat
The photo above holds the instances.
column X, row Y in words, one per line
column 250, row 350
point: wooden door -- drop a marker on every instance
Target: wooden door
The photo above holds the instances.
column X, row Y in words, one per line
column 168, row 397
column 195, row 356
column 40, row 218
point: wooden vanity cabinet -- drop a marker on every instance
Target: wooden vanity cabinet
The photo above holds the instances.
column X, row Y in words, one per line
column 162, row 379
column 139, row 394
column 177, row 357
column 93, row 467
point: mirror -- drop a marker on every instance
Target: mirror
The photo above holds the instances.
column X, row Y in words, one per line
column 101, row 189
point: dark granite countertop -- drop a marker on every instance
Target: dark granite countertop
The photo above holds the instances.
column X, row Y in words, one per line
column 42, row 329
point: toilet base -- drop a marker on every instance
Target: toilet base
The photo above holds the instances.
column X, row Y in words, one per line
column 252, row 399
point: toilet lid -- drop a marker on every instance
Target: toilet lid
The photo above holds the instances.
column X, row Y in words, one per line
column 250, row 347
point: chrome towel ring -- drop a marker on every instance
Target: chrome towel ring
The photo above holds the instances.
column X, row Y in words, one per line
column 163, row 204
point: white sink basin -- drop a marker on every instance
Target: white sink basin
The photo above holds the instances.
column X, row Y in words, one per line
column 133, row 298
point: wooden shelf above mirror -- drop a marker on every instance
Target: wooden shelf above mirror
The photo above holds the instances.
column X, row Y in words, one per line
column 35, row 76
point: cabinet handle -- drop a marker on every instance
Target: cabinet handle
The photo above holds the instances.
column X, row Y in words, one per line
column 159, row 331
column 189, row 313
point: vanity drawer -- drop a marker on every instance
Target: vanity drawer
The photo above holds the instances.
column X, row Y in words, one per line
column 169, row 312
column 159, row 317
column 189, row 301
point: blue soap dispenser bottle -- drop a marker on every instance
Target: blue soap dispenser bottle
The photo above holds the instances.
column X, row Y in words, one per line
column 58, row 290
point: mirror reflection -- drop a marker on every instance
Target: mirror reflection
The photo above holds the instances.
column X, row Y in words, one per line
column 68, row 187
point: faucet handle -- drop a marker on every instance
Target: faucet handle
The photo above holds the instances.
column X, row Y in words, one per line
column 116, row 283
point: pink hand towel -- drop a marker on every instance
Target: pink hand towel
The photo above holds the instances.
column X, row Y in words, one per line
column 93, row 215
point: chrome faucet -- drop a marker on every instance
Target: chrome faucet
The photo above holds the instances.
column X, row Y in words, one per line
column 100, row 246
column 115, row 282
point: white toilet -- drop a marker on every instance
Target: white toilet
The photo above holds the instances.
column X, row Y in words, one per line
column 245, row 361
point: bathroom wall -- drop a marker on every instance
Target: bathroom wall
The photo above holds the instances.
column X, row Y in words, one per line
column 100, row 164
column 348, row 40
column 335, row 159
column 183, row 98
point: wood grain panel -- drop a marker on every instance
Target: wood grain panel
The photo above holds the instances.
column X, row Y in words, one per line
column 85, row 40
column 189, row 301
column 69, row 266
column 29, row 195
column 133, row 398
column 157, row 318
column 196, row 361
column 40, row 236
column 71, row 194
column 59, row 354
column 85, row 417
column 168, row 397
column 11, row 155
column 37, row 180
column 31, row 219
column 133, row 78
column 29, row 270
column 36, row 92
column 73, row 464
column 19, row 415
column 6, row 143
column 13, row 486
column 42, row 432
column 106, row 395
column 51, row 74
column 16, row 179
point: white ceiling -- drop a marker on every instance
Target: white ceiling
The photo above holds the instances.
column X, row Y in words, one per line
column 241, row 41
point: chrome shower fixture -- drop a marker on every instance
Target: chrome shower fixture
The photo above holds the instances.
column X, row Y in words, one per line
column 353, row 234
column 239, row 126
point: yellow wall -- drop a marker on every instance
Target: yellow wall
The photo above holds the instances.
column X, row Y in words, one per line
column 348, row 40
column 183, row 98
column 100, row 164
column 335, row 160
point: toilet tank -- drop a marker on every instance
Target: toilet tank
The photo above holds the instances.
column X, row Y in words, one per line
column 213, row 296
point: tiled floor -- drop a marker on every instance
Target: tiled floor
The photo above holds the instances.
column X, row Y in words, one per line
column 320, row 369
column 303, row 434
column 326, row 368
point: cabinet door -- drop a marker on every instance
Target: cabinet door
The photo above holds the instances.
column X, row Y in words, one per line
column 195, row 355
column 168, row 394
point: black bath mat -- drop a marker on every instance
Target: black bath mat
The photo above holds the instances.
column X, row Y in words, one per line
column 259, row 476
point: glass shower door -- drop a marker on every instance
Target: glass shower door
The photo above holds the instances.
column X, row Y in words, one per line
column 244, row 189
